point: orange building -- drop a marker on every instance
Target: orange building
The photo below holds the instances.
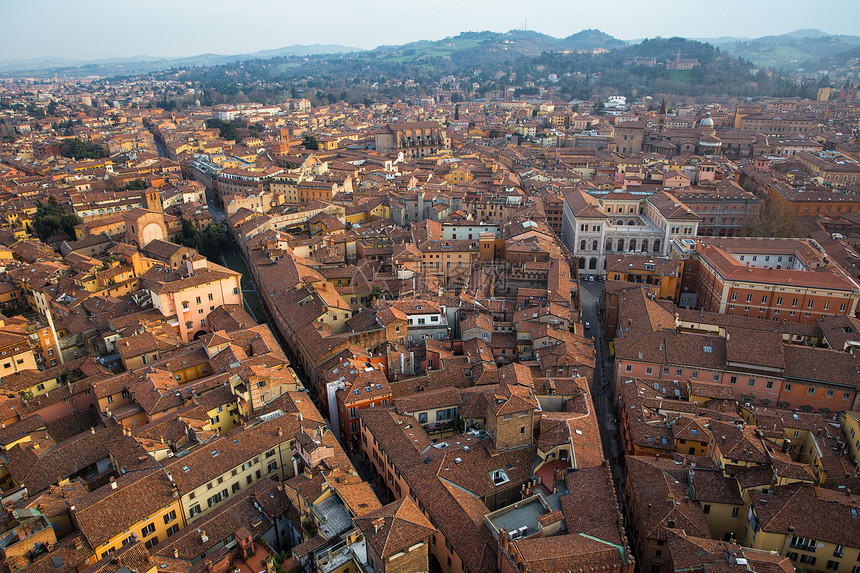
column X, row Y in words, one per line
column 789, row 280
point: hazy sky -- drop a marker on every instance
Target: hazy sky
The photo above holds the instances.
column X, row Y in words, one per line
column 89, row 29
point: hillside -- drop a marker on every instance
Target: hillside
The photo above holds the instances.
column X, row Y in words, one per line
column 789, row 51
column 591, row 40
column 145, row 64
column 838, row 65
column 473, row 64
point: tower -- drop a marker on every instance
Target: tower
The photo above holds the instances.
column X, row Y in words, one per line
column 661, row 116
column 153, row 200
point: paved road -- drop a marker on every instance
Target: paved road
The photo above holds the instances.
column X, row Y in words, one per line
column 602, row 385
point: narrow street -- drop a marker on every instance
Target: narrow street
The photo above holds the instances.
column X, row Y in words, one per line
column 230, row 256
column 601, row 387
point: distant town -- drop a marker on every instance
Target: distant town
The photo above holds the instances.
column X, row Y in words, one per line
column 445, row 326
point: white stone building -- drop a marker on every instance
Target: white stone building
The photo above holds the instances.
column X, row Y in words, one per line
column 598, row 222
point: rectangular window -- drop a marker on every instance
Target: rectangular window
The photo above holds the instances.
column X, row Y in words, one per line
column 148, row 530
column 170, row 516
column 172, row 529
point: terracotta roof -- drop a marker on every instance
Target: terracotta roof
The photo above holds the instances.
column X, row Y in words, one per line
column 395, row 527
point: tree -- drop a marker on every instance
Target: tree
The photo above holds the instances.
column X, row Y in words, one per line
column 226, row 129
column 135, row 185
column 776, row 220
column 49, row 220
column 310, row 142
column 456, row 113
column 209, row 243
column 76, row 149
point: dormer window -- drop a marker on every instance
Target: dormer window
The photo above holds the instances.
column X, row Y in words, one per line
column 499, row 477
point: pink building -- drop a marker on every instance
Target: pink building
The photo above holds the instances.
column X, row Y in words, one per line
column 191, row 293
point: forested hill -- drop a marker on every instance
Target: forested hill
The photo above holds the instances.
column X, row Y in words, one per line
column 475, row 63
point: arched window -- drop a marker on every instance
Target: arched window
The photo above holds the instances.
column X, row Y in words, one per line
column 582, row 245
column 594, row 245
column 644, row 245
column 620, row 245
column 656, row 245
column 632, row 245
column 592, row 263
column 608, row 244
column 631, row 222
column 581, row 263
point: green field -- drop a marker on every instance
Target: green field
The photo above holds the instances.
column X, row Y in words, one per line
column 680, row 76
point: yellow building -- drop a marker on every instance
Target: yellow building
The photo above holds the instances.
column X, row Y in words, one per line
column 851, row 430
column 661, row 276
column 815, row 528
column 216, row 471
column 141, row 505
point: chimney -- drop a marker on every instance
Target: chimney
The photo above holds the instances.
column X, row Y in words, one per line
column 112, row 483
column 92, row 429
column 175, row 553
column 280, row 432
column 378, row 524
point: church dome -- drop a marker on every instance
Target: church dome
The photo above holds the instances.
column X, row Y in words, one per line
column 707, row 121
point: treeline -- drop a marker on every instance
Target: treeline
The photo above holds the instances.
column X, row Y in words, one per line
column 364, row 77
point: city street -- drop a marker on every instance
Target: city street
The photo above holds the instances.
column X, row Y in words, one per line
column 601, row 387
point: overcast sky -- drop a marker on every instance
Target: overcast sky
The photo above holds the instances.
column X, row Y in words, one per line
column 90, row 29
